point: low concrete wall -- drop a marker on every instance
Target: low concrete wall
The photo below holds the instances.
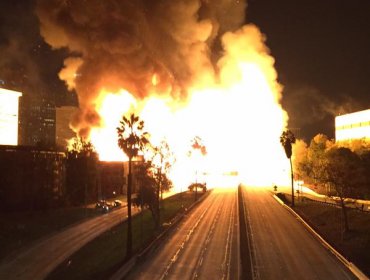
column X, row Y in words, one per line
column 351, row 266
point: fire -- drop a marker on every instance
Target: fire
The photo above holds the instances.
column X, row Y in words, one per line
column 237, row 116
column 104, row 138
column 155, row 80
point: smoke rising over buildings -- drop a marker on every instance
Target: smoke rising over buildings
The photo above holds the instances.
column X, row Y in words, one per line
column 318, row 45
column 123, row 44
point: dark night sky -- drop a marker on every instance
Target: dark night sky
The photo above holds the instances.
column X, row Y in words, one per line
column 322, row 52
column 26, row 62
column 321, row 47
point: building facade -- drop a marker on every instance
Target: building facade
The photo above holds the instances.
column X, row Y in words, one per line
column 9, row 111
column 37, row 121
column 354, row 126
column 112, row 180
column 30, row 178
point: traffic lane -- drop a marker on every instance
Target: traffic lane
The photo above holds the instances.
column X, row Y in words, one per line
column 162, row 258
column 190, row 254
column 44, row 256
column 284, row 249
column 220, row 258
column 181, row 255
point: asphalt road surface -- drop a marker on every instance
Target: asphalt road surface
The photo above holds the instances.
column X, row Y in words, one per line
column 203, row 246
column 41, row 258
column 282, row 247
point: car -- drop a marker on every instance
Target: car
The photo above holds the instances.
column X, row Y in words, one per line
column 104, row 205
column 197, row 186
column 105, row 209
column 100, row 203
column 117, row 203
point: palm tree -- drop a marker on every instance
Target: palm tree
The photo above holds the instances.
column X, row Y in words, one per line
column 131, row 140
column 287, row 138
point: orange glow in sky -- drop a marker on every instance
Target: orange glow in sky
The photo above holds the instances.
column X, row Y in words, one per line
column 238, row 116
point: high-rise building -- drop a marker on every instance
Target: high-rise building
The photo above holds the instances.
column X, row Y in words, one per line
column 354, row 126
column 9, row 109
column 37, row 121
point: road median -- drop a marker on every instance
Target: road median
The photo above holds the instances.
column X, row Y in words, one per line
column 103, row 256
column 246, row 248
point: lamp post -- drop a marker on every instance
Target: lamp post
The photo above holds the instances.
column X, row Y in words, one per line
column 141, row 215
column 292, row 179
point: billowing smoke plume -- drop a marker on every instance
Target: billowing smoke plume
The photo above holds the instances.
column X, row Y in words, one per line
column 122, row 44
column 190, row 67
column 310, row 107
column 18, row 48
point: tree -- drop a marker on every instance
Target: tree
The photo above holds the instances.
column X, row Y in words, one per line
column 316, row 155
column 131, row 140
column 287, row 138
column 299, row 158
column 148, row 191
column 80, row 146
column 162, row 161
column 343, row 171
column 81, row 171
column 308, row 160
column 359, row 146
column 365, row 161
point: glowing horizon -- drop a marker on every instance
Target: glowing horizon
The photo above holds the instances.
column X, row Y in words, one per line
column 237, row 115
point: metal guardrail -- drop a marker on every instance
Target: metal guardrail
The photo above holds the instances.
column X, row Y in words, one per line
column 364, row 208
column 352, row 203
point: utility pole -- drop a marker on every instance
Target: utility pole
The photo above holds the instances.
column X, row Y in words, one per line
column 291, row 174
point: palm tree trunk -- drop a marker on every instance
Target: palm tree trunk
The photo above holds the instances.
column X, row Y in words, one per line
column 129, row 217
column 196, row 185
column 158, row 197
column 291, row 173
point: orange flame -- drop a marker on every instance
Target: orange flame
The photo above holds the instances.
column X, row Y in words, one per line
column 239, row 120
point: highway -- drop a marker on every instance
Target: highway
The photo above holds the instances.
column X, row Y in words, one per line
column 203, row 245
column 282, row 248
column 41, row 258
